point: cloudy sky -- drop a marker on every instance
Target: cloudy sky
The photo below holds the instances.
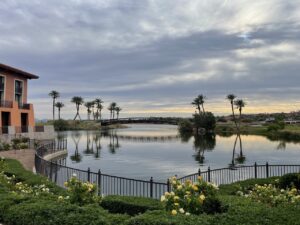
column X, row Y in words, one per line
column 154, row 56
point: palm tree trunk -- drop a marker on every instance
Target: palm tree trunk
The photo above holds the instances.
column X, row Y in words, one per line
column 59, row 113
column 233, row 151
column 203, row 108
column 234, row 119
column 199, row 109
column 53, row 109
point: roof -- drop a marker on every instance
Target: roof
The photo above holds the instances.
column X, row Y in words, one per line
column 18, row 71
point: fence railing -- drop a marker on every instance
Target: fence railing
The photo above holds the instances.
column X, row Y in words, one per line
column 115, row 185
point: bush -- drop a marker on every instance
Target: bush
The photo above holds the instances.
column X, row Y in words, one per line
column 205, row 120
column 185, row 126
column 61, row 125
column 129, row 205
column 290, row 180
column 5, row 146
column 188, row 198
column 82, row 192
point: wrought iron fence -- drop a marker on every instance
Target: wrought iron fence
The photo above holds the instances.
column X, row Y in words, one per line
column 115, row 185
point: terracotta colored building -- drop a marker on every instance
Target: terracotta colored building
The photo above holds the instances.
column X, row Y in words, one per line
column 15, row 112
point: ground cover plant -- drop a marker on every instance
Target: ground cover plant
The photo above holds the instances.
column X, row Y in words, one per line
column 30, row 199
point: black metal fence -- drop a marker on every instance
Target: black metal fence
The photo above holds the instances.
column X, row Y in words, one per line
column 114, row 185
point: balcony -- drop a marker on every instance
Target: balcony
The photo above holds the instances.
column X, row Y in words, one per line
column 6, row 104
column 24, row 106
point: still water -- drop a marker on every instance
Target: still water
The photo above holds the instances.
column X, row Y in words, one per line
column 143, row 151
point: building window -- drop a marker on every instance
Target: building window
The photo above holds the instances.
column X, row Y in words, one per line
column 18, row 91
column 2, row 82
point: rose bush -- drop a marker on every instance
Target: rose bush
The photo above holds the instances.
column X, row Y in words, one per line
column 188, row 198
column 82, row 192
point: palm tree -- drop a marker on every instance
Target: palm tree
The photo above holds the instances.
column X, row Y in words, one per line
column 112, row 108
column 118, row 109
column 231, row 98
column 78, row 102
column 199, row 102
column 59, row 105
column 99, row 107
column 89, row 105
column 240, row 104
column 54, row 95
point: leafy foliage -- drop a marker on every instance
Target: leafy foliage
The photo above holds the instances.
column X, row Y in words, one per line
column 205, row 120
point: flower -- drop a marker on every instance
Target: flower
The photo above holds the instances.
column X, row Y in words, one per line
column 162, row 198
column 60, row 198
column 195, row 188
column 202, row 197
column 199, row 177
column 187, row 214
column 66, row 184
column 181, row 210
column 174, row 212
column 74, row 175
column 176, row 198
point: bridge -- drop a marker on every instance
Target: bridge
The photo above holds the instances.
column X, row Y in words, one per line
column 151, row 120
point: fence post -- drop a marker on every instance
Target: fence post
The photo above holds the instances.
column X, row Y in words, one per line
column 199, row 172
column 208, row 174
column 255, row 170
column 151, row 187
column 50, row 175
column 99, row 182
column 267, row 169
column 89, row 174
column 168, row 185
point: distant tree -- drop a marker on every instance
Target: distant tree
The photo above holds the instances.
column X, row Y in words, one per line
column 59, row 105
column 88, row 106
column 54, row 95
column 78, row 102
column 112, row 108
column 206, row 121
column 240, row 104
column 118, row 109
column 98, row 104
column 199, row 102
column 231, row 98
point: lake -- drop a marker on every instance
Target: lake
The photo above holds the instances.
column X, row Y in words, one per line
column 142, row 151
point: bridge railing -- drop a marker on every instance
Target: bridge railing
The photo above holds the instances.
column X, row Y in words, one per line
column 115, row 185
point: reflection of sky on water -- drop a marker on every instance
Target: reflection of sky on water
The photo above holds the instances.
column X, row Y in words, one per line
column 146, row 157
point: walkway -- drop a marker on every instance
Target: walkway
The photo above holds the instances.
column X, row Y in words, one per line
column 25, row 157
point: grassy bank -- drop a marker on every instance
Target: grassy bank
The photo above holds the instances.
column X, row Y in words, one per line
column 46, row 209
column 289, row 133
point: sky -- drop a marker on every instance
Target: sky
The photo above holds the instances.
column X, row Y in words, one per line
column 153, row 57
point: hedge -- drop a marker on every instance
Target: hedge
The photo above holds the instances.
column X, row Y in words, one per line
column 129, row 205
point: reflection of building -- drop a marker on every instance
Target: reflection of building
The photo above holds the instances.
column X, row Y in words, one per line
column 15, row 111
column 16, row 114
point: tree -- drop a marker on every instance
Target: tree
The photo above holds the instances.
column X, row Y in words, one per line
column 89, row 105
column 199, row 102
column 240, row 104
column 231, row 98
column 78, row 102
column 206, row 121
column 112, row 108
column 98, row 103
column 118, row 109
column 54, row 95
column 59, row 105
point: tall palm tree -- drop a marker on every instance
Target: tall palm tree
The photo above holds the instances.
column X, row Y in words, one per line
column 231, row 98
column 59, row 105
column 78, row 102
column 118, row 109
column 54, row 95
column 197, row 104
column 240, row 104
column 99, row 107
column 89, row 105
column 112, row 108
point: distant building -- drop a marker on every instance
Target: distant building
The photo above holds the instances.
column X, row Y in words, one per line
column 16, row 114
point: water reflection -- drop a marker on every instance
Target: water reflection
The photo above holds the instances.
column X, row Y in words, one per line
column 76, row 136
column 203, row 143
column 237, row 157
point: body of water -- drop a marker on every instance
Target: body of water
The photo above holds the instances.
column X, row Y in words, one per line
column 143, row 151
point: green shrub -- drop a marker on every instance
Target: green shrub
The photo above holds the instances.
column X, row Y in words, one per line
column 129, row 205
column 185, row 125
column 205, row 120
column 290, row 180
column 82, row 192
column 4, row 146
column 60, row 125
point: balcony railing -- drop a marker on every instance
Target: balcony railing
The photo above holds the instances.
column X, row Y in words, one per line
column 24, row 106
column 6, row 104
column 38, row 129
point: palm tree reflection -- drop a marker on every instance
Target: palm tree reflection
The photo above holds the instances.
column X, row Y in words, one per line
column 237, row 158
column 76, row 157
column 203, row 143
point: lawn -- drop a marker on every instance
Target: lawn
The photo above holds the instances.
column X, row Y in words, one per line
column 47, row 209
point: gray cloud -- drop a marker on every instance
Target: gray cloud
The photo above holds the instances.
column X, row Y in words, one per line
column 153, row 57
